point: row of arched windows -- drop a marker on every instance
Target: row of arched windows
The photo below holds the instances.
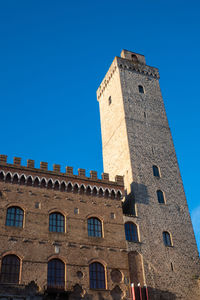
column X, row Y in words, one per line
column 10, row 273
column 15, row 216
column 61, row 186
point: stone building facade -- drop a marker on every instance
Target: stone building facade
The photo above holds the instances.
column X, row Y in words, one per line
column 66, row 236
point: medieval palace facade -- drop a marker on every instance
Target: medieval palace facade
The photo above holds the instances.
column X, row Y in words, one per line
column 66, row 236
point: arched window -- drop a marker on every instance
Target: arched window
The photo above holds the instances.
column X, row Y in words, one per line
column 160, row 196
column 109, row 100
column 56, row 222
column 131, row 232
column 56, row 274
column 156, row 172
column 167, row 239
column 15, row 216
column 141, row 89
column 10, row 268
column 97, row 276
column 94, row 227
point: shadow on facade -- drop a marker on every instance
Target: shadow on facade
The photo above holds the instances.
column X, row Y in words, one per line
column 138, row 194
column 78, row 293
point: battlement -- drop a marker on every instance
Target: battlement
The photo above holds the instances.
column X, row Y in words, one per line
column 42, row 177
column 56, row 169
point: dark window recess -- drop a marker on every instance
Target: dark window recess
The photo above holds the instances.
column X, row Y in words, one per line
column 97, row 276
column 160, row 196
column 94, row 227
column 15, row 216
column 56, row 274
column 141, row 89
column 128, row 206
column 131, row 232
column 156, row 172
column 134, row 58
column 109, row 100
column 167, row 239
column 56, row 222
column 10, row 269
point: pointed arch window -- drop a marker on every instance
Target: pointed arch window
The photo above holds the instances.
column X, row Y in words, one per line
column 56, row 274
column 160, row 197
column 167, row 239
column 56, row 222
column 97, row 276
column 131, row 232
column 10, row 269
column 94, row 227
column 15, row 216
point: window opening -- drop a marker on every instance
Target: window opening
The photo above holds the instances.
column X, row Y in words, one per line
column 131, row 232
column 14, row 216
column 156, row 172
column 10, row 269
column 94, row 227
column 97, row 276
column 56, row 274
column 167, row 239
column 56, row 222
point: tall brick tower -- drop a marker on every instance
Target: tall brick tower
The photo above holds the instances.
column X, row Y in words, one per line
column 137, row 144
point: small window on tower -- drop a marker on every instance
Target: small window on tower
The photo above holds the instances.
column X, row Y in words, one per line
column 141, row 89
column 156, row 171
column 109, row 100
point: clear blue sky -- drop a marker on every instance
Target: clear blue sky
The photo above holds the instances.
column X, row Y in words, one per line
column 53, row 56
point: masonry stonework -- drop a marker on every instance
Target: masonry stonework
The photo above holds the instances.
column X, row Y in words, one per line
column 136, row 136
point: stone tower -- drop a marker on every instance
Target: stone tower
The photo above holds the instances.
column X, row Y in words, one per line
column 137, row 144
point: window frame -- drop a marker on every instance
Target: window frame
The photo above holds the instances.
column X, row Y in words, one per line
column 7, row 270
column 54, row 227
column 131, row 235
column 160, row 196
column 14, row 218
column 94, row 230
column 167, row 239
column 156, row 171
column 97, row 276
column 56, row 276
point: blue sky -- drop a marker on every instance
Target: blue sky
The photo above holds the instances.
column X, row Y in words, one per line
column 53, row 56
